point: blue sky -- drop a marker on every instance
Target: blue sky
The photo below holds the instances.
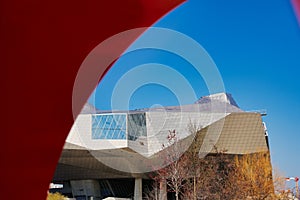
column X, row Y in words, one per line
column 256, row 47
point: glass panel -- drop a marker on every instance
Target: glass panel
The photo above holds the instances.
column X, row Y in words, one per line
column 112, row 126
column 136, row 126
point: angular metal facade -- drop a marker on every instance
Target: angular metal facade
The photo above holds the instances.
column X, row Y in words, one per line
column 132, row 140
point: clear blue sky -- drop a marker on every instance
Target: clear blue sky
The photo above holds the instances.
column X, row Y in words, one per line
column 256, row 46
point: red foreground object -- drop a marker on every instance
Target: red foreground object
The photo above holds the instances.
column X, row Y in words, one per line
column 43, row 43
column 296, row 4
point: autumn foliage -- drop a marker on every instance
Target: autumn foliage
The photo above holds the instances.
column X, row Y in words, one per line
column 55, row 196
column 217, row 176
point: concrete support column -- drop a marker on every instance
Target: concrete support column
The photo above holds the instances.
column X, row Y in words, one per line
column 138, row 193
column 163, row 190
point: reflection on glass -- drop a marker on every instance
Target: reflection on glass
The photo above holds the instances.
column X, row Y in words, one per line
column 136, row 126
column 111, row 126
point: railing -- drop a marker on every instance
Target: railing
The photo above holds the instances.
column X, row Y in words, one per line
column 263, row 112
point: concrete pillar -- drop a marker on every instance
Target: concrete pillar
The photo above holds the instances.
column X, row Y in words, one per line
column 163, row 190
column 138, row 193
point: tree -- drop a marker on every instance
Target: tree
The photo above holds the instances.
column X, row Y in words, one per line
column 254, row 176
column 175, row 174
column 55, row 196
column 218, row 176
column 190, row 177
column 224, row 176
column 211, row 177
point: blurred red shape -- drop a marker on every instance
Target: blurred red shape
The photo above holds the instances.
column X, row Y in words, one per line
column 43, row 43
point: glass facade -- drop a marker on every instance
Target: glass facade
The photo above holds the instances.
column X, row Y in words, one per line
column 109, row 126
column 136, row 125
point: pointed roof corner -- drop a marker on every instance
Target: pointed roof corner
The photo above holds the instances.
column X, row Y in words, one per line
column 219, row 97
column 89, row 109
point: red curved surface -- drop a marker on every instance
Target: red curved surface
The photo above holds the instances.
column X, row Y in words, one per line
column 296, row 5
column 42, row 46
